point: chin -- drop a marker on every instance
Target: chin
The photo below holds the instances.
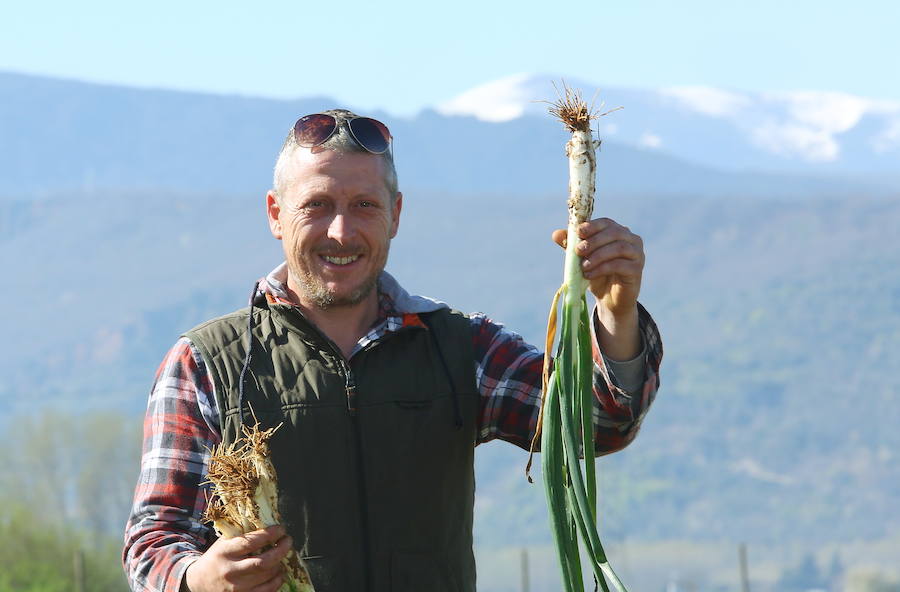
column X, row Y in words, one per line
column 327, row 298
column 326, row 294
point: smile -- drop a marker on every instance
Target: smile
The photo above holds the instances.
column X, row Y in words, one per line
column 340, row 260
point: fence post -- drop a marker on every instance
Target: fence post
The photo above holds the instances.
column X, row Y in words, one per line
column 526, row 582
column 745, row 571
column 78, row 569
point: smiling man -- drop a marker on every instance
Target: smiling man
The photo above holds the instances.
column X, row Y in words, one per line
column 382, row 395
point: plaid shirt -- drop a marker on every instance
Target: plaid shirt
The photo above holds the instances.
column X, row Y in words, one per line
column 165, row 534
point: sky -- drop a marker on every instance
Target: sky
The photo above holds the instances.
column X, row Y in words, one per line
column 404, row 56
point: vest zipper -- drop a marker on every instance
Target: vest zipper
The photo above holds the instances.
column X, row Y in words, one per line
column 353, row 412
column 351, row 391
column 350, row 385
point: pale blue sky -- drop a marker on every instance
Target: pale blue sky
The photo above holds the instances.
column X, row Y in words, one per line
column 402, row 56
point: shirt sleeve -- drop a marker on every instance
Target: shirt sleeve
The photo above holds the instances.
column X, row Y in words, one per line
column 164, row 533
column 508, row 374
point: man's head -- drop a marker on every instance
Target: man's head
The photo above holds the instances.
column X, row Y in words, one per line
column 335, row 208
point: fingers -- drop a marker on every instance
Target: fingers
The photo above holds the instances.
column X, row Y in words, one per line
column 597, row 232
column 618, row 257
column 263, row 572
column 592, row 227
column 251, row 561
column 604, row 240
column 268, row 559
column 251, row 542
column 626, row 271
column 603, row 230
column 272, row 585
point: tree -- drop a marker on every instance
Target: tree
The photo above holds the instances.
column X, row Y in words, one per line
column 802, row 577
column 36, row 556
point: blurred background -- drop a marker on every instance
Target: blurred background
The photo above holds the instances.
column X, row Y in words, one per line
column 757, row 154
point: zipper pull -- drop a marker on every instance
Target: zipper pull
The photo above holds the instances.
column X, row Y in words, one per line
column 351, row 393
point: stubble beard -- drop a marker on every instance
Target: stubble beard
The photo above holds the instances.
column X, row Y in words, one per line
column 314, row 290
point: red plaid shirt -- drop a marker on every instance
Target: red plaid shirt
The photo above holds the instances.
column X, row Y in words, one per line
column 165, row 534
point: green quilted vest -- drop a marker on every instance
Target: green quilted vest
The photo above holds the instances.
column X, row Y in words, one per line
column 376, row 477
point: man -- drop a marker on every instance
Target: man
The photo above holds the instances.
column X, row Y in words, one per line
column 382, row 395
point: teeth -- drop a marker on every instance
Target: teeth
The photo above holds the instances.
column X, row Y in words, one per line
column 340, row 260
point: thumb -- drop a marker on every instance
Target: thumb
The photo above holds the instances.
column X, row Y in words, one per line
column 559, row 237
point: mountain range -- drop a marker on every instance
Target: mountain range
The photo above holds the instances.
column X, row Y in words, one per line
column 66, row 136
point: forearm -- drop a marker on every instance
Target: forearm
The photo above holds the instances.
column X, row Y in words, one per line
column 508, row 372
column 618, row 336
column 158, row 560
column 629, row 375
column 625, row 390
column 164, row 533
column 508, row 375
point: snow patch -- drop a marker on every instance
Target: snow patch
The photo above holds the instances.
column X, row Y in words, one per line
column 510, row 97
column 708, row 100
column 650, row 140
column 830, row 112
column 499, row 100
column 889, row 139
column 812, row 121
column 792, row 139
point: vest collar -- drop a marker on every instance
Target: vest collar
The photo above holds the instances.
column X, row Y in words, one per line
column 400, row 310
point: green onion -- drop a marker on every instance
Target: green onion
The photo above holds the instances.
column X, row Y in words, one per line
column 565, row 425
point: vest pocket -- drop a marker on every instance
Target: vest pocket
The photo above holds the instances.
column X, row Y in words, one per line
column 418, row 572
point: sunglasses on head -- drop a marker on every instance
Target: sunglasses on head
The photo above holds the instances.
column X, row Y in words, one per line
column 315, row 129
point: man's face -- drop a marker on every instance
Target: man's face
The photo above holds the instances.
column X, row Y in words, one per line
column 336, row 221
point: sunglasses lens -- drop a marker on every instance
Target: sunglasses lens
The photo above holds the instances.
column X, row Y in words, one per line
column 371, row 134
column 312, row 130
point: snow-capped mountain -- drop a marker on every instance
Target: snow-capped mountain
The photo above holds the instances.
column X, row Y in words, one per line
column 792, row 131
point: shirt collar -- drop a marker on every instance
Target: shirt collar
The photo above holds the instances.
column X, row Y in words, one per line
column 396, row 305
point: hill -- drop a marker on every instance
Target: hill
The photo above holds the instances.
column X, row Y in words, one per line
column 780, row 319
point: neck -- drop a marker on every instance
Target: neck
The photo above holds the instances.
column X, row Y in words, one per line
column 344, row 325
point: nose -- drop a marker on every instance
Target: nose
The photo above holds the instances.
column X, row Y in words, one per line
column 340, row 228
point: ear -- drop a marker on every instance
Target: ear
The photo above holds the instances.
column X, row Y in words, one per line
column 398, row 205
column 273, row 211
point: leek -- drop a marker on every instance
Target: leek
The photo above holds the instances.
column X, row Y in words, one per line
column 245, row 497
column 565, row 425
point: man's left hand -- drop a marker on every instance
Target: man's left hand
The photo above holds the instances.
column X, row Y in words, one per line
column 613, row 262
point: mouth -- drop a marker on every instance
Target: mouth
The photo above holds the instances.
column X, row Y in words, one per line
column 340, row 261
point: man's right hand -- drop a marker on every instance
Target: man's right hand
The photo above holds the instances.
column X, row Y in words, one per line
column 236, row 565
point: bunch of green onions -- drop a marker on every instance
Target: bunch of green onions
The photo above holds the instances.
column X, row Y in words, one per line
column 565, row 426
column 245, row 497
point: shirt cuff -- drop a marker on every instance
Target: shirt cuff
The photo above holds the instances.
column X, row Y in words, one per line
column 629, row 375
column 179, row 571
